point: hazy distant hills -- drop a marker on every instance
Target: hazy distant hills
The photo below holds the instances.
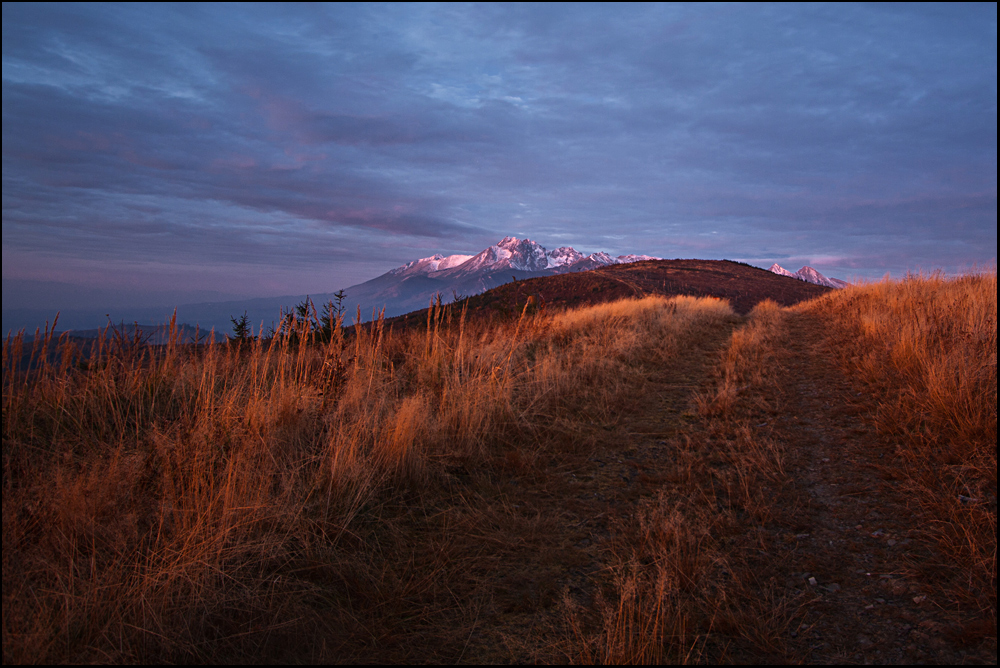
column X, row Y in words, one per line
column 146, row 333
column 412, row 286
column 401, row 290
column 206, row 316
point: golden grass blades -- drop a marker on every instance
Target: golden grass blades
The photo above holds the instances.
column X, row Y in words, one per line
column 926, row 347
column 243, row 500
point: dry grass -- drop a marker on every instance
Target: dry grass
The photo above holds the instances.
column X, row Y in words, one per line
column 335, row 501
column 251, row 502
column 689, row 572
column 655, row 612
column 681, row 590
column 926, row 348
column 748, row 361
column 744, row 378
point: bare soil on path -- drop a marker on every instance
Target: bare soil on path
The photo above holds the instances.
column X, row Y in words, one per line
column 578, row 498
column 832, row 568
column 847, row 542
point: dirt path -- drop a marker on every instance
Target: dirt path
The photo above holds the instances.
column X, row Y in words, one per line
column 572, row 502
column 831, row 569
column 848, row 538
column 639, row 292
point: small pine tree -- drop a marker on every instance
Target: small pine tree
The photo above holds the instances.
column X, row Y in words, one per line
column 241, row 328
column 338, row 302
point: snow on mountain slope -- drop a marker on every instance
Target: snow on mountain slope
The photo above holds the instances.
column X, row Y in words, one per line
column 781, row 271
column 598, row 260
column 427, row 265
column 512, row 253
column 812, row 276
column 809, row 275
column 563, row 257
column 601, row 258
column 525, row 254
column 412, row 285
column 625, row 259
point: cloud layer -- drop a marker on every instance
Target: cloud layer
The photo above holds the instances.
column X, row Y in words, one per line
column 268, row 150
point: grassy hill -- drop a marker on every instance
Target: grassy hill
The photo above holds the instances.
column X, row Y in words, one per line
column 743, row 286
column 648, row 479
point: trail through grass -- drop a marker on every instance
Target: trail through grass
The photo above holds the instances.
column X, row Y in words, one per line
column 645, row 481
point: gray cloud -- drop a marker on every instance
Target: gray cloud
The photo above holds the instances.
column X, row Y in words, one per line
column 323, row 145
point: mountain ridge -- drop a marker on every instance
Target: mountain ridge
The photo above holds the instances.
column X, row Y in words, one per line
column 511, row 253
column 809, row 275
column 404, row 289
column 742, row 285
column 411, row 286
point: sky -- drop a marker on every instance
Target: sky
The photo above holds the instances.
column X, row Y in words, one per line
column 177, row 153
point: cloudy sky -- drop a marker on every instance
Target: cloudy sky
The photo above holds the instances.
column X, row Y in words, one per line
column 181, row 153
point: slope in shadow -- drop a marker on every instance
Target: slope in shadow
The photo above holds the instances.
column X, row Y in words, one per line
column 743, row 285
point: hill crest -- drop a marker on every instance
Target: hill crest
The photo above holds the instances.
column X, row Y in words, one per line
column 743, row 285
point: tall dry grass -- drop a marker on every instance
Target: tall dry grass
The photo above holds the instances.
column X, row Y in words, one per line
column 684, row 569
column 926, row 348
column 656, row 610
column 747, row 374
column 681, row 590
column 226, row 502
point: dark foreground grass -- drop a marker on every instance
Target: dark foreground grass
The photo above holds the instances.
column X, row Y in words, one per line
column 272, row 501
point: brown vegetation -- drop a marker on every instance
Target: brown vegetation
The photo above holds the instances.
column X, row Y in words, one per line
column 742, row 285
column 682, row 589
column 786, row 534
column 203, row 504
column 626, row 482
column 872, row 414
column 925, row 349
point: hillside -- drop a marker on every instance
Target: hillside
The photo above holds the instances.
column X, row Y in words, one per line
column 743, row 286
column 651, row 480
column 411, row 287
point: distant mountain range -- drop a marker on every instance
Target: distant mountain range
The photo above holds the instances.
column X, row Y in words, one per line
column 401, row 290
column 413, row 285
column 809, row 275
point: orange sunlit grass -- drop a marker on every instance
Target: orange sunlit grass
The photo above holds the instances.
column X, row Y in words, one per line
column 160, row 502
column 926, row 348
column 461, row 491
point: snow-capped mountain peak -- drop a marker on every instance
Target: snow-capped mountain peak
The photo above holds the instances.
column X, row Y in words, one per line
column 525, row 254
column 812, row 276
column 625, row 259
column 781, row 271
column 809, row 275
column 563, row 257
column 510, row 253
column 428, row 265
